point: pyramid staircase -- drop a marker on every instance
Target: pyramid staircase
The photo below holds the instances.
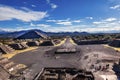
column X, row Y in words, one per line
column 4, row 49
column 24, row 45
column 10, row 66
column 16, row 46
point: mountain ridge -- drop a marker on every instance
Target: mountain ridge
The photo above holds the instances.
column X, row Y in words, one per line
column 18, row 33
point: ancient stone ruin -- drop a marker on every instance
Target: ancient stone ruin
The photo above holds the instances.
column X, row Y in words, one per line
column 64, row 74
column 47, row 43
column 33, row 43
column 115, row 43
column 18, row 46
column 9, row 70
column 33, row 34
column 4, row 49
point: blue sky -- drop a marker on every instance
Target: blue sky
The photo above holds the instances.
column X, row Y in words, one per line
column 60, row 15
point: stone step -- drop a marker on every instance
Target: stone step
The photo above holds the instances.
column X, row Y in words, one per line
column 3, row 60
column 4, row 75
column 18, row 46
column 11, row 66
column 8, row 65
column 6, row 49
column 24, row 45
column 9, row 48
column 16, row 68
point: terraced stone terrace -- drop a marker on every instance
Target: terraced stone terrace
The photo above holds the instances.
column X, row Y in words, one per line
column 100, row 60
column 64, row 74
column 97, row 59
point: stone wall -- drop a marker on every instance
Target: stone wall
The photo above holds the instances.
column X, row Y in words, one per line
column 115, row 43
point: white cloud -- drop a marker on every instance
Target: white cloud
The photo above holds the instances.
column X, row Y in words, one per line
column 77, row 21
column 80, row 28
column 97, row 22
column 33, row 5
column 65, row 28
column 51, row 20
column 87, row 28
column 39, row 25
column 43, row 25
column 89, row 18
column 9, row 13
column 115, row 7
column 53, row 6
column 101, row 27
column 105, row 21
column 106, row 25
column 65, row 23
column 61, row 22
column 15, row 29
column 110, row 19
column 31, row 24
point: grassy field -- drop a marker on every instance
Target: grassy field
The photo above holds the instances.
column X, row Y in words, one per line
column 62, row 42
column 10, row 55
column 72, row 42
column 117, row 49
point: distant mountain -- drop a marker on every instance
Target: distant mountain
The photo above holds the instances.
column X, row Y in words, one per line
column 67, row 33
column 19, row 33
column 11, row 34
column 3, row 32
column 32, row 34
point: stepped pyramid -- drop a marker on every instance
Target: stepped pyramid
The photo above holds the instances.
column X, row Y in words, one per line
column 4, row 49
column 33, row 34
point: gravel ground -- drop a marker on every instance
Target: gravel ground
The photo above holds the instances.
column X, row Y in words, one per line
column 45, row 57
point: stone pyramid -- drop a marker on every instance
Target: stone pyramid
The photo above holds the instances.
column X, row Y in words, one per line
column 32, row 35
